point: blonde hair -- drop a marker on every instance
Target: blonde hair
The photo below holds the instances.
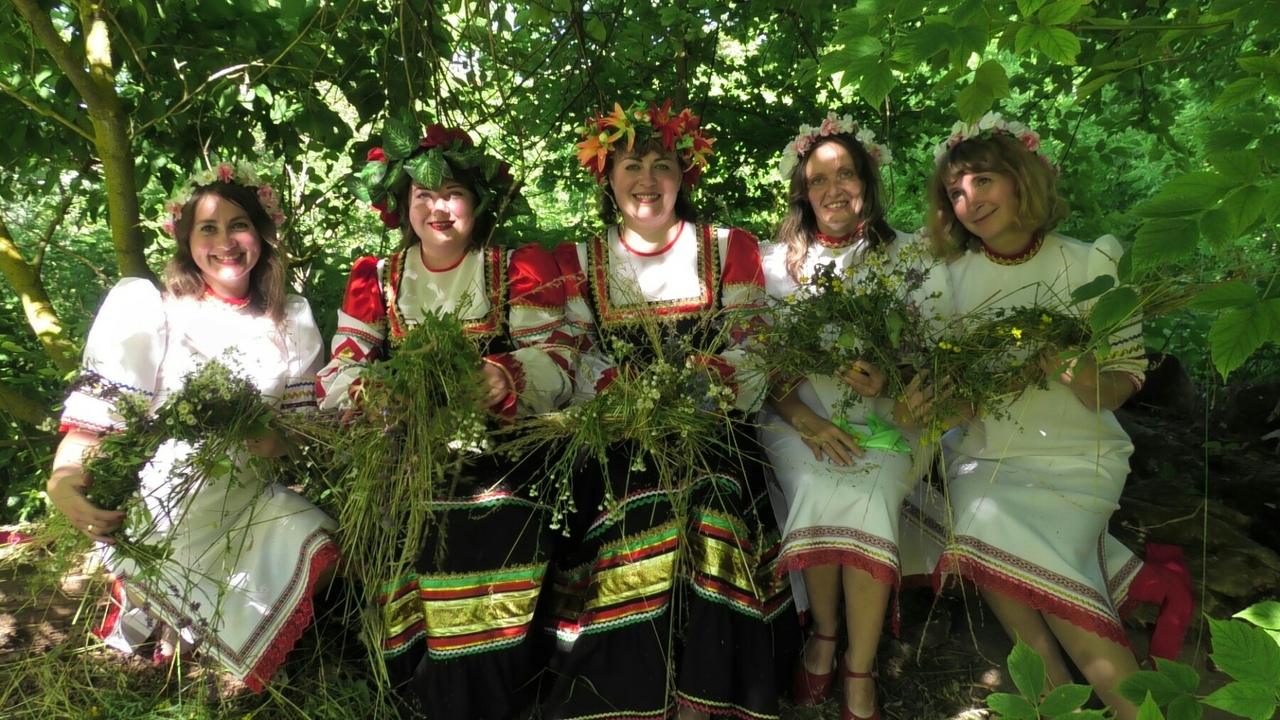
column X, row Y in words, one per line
column 1040, row 207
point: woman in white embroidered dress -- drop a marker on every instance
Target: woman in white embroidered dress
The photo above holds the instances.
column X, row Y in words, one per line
column 841, row 502
column 246, row 553
column 1031, row 490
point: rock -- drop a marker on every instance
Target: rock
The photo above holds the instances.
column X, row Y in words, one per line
column 1168, row 387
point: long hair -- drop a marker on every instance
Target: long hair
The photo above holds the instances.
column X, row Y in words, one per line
column 485, row 222
column 684, row 209
column 799, row 229
column 1040, row 207
column 183, row 278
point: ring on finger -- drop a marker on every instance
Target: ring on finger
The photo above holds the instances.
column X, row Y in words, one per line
column 89, row 527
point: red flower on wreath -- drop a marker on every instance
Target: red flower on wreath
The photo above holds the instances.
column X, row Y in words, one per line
column 390, row 219
column 377, row 155
column 443, row 137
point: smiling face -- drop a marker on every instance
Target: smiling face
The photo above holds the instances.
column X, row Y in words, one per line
column 987, row 204
column 646, row 188
column 443, row 218
column 224, row 244
column 834, row 189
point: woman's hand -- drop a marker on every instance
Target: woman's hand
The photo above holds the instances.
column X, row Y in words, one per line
column 819, row 434
column 865, row 378
column 269, row 445
column 66, row 489
column 826, row 440
column 1096, row 389
column 919, row 400
column 496, row 385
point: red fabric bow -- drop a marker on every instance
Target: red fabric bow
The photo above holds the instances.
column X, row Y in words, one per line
column 1165, row 580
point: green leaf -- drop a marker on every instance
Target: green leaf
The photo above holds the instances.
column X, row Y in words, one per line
column 1013, row 707
column 1265, row 614
column 1272, row 201
column 1243, row 207
column 1147, row 683
column 1233, row 337
column 398, row 141
column 427, row 169
column 1217, row 228
column 1260, row 63
column 1253, row 700
column 372, row 173
column 929, row 39
column 1237, row 92
column 1114, row 309
column 1176, row 199
column 1095, row 85
column 1164, row 240
column 1059, row 45
column 876, row 83
column 1186, row 707
column 1060, row 12
column 1240, row 167
column 992, row 76
column 1148, row 710
column 1221, row 296
column 359, row 189
column 1026, row 667
column 1028, row 36
column 1064, row 699
column 595, row 29
column 1092, row 289
column 973, row 101
column 1206, row 182
column 1029, row 7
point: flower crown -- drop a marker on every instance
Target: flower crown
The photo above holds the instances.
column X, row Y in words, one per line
column 240, row 173
column 833, row 125
column 621, row 129
column 988, row 126
column 403, row 157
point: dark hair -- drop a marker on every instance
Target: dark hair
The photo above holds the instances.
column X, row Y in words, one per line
column 183, row 278
column 485, row 222
column 1040, row 207
column 799, row 229
column 684, row 209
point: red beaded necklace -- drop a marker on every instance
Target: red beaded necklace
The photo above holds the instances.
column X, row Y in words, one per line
column 843, row 241
column 1017, row 258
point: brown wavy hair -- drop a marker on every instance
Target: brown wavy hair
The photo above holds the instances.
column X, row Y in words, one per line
column 684, row 209
column 1040, row 207
column 799, row 229
column 183, row 278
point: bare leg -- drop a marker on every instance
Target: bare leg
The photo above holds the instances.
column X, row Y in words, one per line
column 823, row 585
column 1105, row 663
column 684, row 712
column 865, row 601
column 1022, row 621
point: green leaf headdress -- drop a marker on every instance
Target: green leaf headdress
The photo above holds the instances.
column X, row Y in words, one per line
column 429, row 162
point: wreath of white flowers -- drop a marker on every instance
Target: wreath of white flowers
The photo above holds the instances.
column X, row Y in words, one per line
column 988, row 125
column 832, row 125
column 240, row 173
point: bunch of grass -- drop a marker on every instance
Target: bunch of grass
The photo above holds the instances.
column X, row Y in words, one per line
column 416, row 419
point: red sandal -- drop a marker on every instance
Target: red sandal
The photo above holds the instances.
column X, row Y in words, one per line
column 845, row 712
column 808, row 689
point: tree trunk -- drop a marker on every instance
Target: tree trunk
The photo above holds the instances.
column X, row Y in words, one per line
column 111, row 135
column 44, row 321
column 23, row 408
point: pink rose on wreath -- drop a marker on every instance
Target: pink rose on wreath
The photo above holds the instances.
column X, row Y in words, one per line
column 830, row 126
column 170, row 228
column 226, row 173
column 802, row 144
column 440, row 136
column 1031, row 140
column 377, row 155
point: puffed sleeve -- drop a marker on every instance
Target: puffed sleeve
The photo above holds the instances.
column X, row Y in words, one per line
column 123, row 353
column 742, row 295
column 592, row 370
column 306, row 355
column 362, row 328
column 539, row 367
column 1127, row 352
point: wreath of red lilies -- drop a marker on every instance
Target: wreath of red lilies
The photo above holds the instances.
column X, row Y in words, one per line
column 621, row 129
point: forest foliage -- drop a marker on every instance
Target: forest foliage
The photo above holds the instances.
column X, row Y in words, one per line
column 1162, row 115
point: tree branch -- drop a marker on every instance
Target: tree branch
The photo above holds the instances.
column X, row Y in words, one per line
column 41, row 316
column 23, row 408
column 46, row 112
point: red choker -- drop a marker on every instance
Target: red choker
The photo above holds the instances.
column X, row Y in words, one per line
column 1017, row 258
column 210, row 293
column 828, row 241
column 622, row 237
